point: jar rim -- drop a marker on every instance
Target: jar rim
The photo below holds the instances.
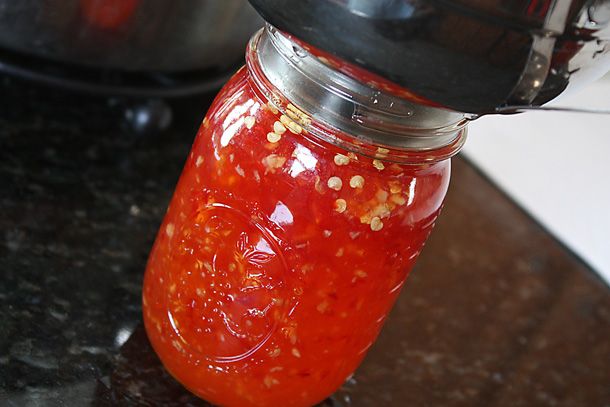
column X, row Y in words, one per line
column 345, row 111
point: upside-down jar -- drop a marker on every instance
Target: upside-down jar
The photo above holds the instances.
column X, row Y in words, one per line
column 305, row 200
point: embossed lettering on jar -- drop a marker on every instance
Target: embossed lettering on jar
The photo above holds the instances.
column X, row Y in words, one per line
column 292, row 229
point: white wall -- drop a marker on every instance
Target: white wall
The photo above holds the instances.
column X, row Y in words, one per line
column 557, row 167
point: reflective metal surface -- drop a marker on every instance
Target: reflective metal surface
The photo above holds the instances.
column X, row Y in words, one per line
column 279, row 64
column 469, row 55
column 134, row 35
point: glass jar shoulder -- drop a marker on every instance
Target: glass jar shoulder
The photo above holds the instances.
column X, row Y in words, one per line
column 249, row 146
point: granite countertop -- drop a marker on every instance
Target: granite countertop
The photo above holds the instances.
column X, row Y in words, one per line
column 496, row 313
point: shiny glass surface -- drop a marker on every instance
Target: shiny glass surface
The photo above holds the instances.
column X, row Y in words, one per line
column 280, row 254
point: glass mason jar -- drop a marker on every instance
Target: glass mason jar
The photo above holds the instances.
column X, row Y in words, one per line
column 304, row 202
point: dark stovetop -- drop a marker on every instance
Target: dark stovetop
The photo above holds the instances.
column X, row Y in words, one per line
column 496, row 313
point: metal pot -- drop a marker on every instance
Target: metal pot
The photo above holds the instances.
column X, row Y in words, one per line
column 476, row 56
column 130, row 35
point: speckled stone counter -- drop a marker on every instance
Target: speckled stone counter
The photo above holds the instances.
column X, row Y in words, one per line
column 496, row 313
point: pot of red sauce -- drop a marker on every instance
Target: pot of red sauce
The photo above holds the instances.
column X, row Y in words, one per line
column 305, row 200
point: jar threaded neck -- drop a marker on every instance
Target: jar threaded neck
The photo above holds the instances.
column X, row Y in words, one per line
column 282, row 69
